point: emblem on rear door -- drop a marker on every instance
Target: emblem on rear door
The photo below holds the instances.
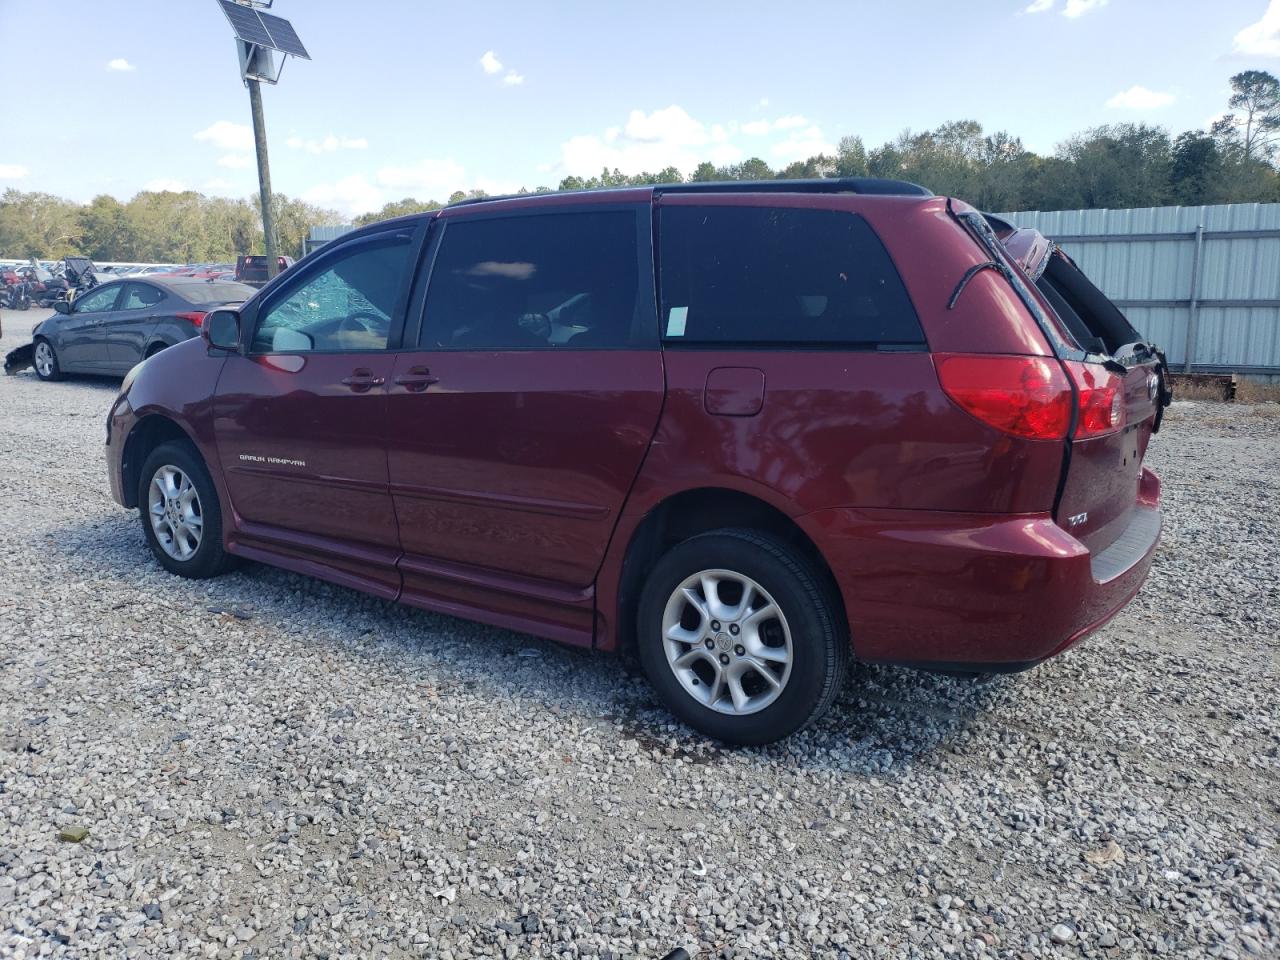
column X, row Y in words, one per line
column 1078, row 519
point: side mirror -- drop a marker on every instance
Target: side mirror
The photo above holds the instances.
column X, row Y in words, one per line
column 61, row 306
column 221, row 330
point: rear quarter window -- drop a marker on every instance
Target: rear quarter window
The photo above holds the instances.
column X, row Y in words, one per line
column 777, row 276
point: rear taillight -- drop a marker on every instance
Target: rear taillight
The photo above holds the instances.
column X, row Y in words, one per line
column 1026, row 396
column 195, row 319
column 1101, row 399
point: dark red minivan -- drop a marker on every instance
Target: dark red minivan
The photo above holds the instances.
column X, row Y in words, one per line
column 746, row 430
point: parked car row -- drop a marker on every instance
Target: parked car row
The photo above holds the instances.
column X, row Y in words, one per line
column 248, row 268
column 746, row 431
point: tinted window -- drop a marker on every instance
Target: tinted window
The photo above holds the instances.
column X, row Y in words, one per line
column 779, row 275
column 545, row 281
column 139, row 296
column 347, row 305
column 96, row 301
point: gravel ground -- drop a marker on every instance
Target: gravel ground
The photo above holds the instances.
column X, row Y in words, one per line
column 268, row 766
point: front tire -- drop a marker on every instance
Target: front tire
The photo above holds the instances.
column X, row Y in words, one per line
column 45, row 359
column 741, row 636
column 181, row 516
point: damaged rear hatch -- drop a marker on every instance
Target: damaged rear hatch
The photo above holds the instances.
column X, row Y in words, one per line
column 1106, row 500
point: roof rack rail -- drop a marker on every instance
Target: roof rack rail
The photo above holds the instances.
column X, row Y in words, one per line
column 865, row 185
column 870, row 185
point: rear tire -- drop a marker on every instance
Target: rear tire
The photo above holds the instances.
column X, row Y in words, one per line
column 761, row 659
column 45, row 360
column 180, row 513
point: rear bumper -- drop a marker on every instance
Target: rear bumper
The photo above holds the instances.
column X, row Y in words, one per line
column 976, row 591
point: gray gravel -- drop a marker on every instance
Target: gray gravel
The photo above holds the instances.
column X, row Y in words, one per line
column 269, row 766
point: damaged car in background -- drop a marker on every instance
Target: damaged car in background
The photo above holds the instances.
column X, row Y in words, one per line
column 116, row 325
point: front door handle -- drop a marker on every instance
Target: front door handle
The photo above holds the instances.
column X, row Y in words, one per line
column 362, row 380
column 417, row 379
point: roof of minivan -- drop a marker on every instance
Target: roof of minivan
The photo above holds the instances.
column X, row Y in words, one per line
column 861, row 185
column 872, row 186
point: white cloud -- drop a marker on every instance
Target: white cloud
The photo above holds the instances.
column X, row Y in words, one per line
column 226, row 135
column 218, row 185
column 649, row 142
column 121, row 64
column 764, row 102
column 1039, row 6
column 1261, row 39
column 164, row 184
column 669, row 125
column 491, row 65
column 329, row 144
column 804, row 144
column 235, row 161
column 758, row 128
column 13, row 171
column 1140, row 98
column 1078, row 8
column 351, row 195
column 427, row 179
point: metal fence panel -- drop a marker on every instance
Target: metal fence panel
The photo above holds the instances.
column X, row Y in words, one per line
column 1146, row 260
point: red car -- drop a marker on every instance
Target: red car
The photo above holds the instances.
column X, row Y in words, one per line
column 748, row 431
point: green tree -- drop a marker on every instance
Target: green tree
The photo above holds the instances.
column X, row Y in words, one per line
column 1121, row 165
column 851, row 158
column 105, row 231
column 1255, row 127
column 397, row 208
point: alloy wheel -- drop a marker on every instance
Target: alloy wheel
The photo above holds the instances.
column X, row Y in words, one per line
column 174, row 508
column 727, row 642
column 44, row 359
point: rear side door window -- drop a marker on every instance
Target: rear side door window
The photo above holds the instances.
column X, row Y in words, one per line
column 775, row 276
column 346, row 305
column 540, row 282
column 141, row 296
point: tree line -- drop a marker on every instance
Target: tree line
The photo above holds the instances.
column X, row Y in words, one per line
column 153, row 227
column 1115, row 165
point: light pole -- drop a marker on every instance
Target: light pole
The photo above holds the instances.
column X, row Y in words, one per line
column 264, row 175
column 258, row 36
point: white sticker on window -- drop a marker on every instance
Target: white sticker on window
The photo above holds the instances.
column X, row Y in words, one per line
column 675, row 321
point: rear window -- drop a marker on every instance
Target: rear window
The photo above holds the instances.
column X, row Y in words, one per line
column 217, row 292
column 779, row 275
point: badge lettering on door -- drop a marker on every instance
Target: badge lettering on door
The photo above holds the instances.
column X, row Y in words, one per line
column 281, row 461
column 1078, row 519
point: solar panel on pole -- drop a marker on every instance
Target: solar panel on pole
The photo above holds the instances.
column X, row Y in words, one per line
column 246, row 24
column 283, row 37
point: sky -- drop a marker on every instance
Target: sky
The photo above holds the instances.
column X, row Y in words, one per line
column 420, row 98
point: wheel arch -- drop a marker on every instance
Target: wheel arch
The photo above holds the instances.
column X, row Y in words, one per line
column 688, row 513
column 148, row 433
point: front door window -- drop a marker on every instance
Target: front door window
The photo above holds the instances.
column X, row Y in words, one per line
column 346, row 307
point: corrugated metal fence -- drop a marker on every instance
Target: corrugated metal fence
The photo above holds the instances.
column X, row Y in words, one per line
column 1202, row 282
